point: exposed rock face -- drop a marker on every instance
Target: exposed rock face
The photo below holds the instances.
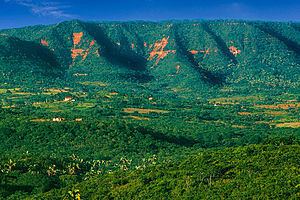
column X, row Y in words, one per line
column 208, row 52
column 235, row 51
column 205, row 52
column 194, row 52
column 44, row 42
column 92, row 43
column 75, row 52
column 77, row 38
column 159, row 50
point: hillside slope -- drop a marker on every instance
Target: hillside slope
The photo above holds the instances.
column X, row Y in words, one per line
column 22, row 60
column 235, row 173
column 194, row 55
column 144, row 110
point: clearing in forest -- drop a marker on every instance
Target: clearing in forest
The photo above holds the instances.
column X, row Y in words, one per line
column 144, row 111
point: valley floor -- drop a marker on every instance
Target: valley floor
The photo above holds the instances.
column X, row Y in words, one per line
column 62, row 143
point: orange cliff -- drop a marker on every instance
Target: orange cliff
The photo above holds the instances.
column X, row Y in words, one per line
column 205, row 52
column 235, row 51
column 194, row 52
column 77, row 52
column 44, row 43
column 158, row 50
column 92, row 43
column 77, row 38
column 132, row 46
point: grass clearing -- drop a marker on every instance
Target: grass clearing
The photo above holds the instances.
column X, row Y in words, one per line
column 54, row 91
column 40, row 120
column 245, row 113
column 144, row 111
column 234, row 100
column 3, row 91
column 239, row 126
column 138, row 118
column 96, row 83
column 275, row 113
column 85, row 105
column 289, row 125
column 283, row 106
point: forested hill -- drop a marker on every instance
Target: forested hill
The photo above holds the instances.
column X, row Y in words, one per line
column 144, row 110
column 195, row 55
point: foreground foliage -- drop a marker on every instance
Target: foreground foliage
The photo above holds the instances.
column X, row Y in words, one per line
column 255, row 171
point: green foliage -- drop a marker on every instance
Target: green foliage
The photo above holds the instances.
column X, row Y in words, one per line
column 256, row 171
column 110, row 123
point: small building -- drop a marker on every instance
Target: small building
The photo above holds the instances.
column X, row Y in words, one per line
column 69, row 98
column 58, row 119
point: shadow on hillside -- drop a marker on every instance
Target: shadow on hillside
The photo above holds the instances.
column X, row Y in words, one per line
column 139, row 41
column 291, row 45
column 63, row 52
column 220, row 42
column 42, row 56
column 177, row 140
column 119, row 55
column 137, row 76
column 207, row 76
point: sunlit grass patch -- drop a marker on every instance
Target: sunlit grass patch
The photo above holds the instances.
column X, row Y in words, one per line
column 85, row 105
column 283, row 106
column 3, row 91
column 53, row 91
column 40, row 120
column 57, row 105
column 24, row 93
column 57, row 111
column 96, row 83
column 144, row 111
column 234, row 100
column 239, row 126
column 288, row 125
column 16, row 91
column 138, row 118
column 245, row 113
column 107, row 94
column 80, row 94
column 275, row 113
column 8, row 107
column 180, row 89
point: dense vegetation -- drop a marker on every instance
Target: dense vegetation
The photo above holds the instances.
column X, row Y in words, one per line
column 143, row 110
